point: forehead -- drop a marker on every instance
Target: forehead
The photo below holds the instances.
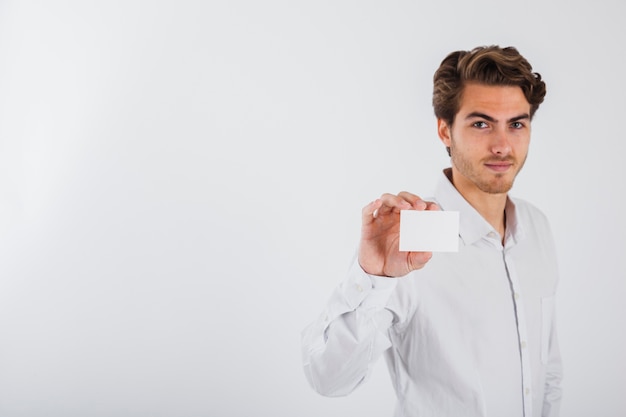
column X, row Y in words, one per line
column 493, row 100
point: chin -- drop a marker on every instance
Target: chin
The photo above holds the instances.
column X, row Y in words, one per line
column 501, row 188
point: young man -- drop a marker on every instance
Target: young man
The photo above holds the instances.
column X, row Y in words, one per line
column 469, row 333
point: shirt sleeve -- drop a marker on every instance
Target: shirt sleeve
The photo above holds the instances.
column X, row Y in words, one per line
column 341, row 346
column 554, row 375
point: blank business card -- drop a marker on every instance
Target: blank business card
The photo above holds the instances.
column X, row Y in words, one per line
column 429, row 231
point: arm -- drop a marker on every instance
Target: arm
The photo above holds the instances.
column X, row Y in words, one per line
column 340, row 348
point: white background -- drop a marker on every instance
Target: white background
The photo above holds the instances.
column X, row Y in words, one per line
column 181, row 186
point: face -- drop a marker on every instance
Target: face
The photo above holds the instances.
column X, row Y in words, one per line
column 489, row 138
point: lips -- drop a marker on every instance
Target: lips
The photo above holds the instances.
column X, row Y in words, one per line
column 499, row 166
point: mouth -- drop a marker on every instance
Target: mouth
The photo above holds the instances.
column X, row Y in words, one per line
column 499, row 166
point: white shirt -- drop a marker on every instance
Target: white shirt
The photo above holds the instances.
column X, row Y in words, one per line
column 470, row 334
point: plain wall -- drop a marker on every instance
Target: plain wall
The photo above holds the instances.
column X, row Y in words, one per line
column 181, row 186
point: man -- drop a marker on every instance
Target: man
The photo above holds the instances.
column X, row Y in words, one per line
column 469, row 333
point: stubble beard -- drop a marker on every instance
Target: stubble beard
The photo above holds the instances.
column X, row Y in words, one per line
column 489, row 183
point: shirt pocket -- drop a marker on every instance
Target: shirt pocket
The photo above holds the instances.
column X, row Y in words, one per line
column 547, row 310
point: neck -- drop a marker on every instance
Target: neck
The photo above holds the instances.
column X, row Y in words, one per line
column 489, row 206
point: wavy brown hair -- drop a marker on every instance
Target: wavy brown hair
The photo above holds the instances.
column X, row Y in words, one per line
column 489, row 65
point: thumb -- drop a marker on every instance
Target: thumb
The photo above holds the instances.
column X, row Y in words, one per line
column 417, row 260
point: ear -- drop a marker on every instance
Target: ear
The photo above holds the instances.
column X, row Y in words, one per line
column 443, row 130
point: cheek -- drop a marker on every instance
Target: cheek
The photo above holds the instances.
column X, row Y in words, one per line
column 467, row 145
column 469, row 139
column 521, row 145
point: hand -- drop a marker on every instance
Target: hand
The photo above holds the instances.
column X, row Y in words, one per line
column 380, row 236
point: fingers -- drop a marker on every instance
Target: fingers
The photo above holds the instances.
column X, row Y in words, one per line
column 370, row 212
column 392, row 202
column 417, row 260
column 433, row 206
column 388, row 203
column 382, row 206
column 416, row 202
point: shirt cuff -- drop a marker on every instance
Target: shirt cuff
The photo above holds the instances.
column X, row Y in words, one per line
column 362, row 289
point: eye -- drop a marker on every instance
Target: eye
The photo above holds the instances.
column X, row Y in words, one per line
column 480, row 125
column 517, row 125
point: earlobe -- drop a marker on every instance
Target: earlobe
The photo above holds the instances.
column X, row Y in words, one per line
column 443, row 130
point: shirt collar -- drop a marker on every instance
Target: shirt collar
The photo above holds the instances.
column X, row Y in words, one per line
column 514, row 226
column 472, row 226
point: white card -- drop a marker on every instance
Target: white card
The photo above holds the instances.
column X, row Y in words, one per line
column 429, row 231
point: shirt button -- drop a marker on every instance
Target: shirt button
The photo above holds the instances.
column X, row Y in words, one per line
column 359, row 288
column 516, row 296
column 523, row 345
column 527, row 391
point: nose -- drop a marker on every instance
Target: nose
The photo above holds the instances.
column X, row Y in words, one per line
column 500, row 144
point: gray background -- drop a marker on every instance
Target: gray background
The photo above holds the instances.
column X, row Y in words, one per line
column 181, row 186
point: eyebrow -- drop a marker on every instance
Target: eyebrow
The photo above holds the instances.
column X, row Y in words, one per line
column 475, row 115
